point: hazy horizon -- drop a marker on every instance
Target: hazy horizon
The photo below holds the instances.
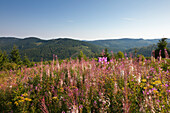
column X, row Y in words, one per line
column 77, row 38
column 85, row 20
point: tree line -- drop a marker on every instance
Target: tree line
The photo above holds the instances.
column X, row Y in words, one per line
column 13, row 60
column 160, row 51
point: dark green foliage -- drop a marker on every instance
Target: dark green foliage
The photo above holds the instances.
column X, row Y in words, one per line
column 26, row 61
column 10, row 66
column 15, row 61
column 106, row 54
column 141, row 57
column 3, row 59
column 15, row 56
column 116, row 45
column 162, row 45
column 36, row 48
column 81, row 55
column 146, row 51
column 120, row 54
column 166, row 66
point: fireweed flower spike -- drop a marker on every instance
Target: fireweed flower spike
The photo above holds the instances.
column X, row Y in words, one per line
column 87, row 85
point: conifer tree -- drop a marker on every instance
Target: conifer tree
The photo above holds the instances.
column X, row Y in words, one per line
column 26, row 61
column 3, row 59
column 162, row 46
column 15, row 55
column 106, row 54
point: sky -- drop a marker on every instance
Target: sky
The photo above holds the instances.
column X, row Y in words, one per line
column 85, row 19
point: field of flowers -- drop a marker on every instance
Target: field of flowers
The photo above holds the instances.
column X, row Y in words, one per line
column 88, row 86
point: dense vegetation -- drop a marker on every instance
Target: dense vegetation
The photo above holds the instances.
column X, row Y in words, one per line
column 35, row 48
column 162, row 49
column 124, row 85
column 116, row 45
column 13, row 61
column 110, row 83
column 146, row 51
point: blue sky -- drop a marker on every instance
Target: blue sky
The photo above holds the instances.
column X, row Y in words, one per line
column 85, row 19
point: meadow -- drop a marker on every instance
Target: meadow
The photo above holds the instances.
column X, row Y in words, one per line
column 129, row 85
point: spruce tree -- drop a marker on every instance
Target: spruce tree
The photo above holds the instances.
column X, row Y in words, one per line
column 162, row 45
column 3, row 59
column 106, row 54
column 26, row 61
column 15, row 55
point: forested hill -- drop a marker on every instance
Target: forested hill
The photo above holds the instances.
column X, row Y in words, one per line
column 116, row 45
column 36, row 48
column 146, row 51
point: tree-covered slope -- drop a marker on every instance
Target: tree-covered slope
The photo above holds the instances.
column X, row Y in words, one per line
column 146, row 51
column 36, row 48
column 116, row 45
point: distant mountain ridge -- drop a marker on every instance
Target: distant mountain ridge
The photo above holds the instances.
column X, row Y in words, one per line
column 36, row 48
column 116, row 45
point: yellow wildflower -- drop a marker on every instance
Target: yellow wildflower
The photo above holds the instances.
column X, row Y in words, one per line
column 55, row 98
column 27, row 99
column 25, row 94
column 153, row 82
column 150, row 86
column 145, row 87
column 155, row 91
column 142, row 84
column 143, row 80
column 22, row 98
column 158, row 82
column 20, row 101
column 9, row 103
column 122, row 88
column 160, row 95
column 16, row 103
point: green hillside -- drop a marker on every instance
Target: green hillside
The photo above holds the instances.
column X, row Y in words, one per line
column 116, row 45
column 146, row 51
column 36, row 48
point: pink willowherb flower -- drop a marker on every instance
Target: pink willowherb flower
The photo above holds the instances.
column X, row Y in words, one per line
column 43, row 107
column 166, row 53
column 160, row 53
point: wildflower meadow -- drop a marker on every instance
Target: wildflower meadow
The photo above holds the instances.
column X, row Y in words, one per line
column 129, row 85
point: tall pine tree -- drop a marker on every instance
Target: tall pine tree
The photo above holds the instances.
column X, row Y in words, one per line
column 3, row 59
column 162, row 45
column 15, row 56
